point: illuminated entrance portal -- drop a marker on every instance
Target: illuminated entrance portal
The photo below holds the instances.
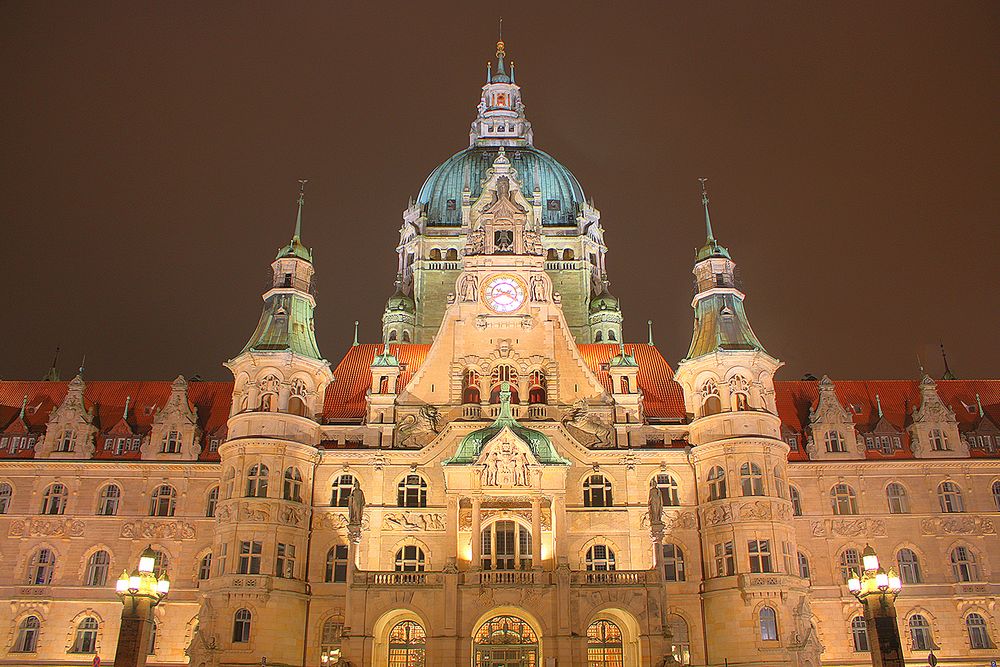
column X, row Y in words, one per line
column 505, row 641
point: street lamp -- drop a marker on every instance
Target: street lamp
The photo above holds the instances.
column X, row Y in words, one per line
column 139, row 591
column 877, row 589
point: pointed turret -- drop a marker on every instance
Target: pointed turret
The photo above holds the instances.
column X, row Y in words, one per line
column 500, row 119
column 605, row 315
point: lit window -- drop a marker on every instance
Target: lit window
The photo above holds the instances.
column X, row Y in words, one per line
column 979, row 636
column 412, row 491
column 293, row 485
column 751, row 479
column 909, row 566
column 668, row 489
column 844, row 499
column 54, row 499
column 336, row 564
column 407, row 645
column 163, row 501
column 107, row 504
column 257, row 481
column 86, row 636
column 600, row 557
column 950, row 497
column 920, row 634
column 96, row 573
column 241, row 626
column 249, row 562
column 597, row 491
column 963, row 564
column 850, row 564
column 506, row 545
column 673, row 563
column 768, row 624
column 760, row 556
column 717, row 483
column 410, row 559
column 341, row 496
column 604, row 645
column 27, row 635
column 859, row 633
column 898, row 502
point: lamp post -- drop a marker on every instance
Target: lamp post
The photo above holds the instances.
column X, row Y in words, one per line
column 877, row 589
column 139, row 592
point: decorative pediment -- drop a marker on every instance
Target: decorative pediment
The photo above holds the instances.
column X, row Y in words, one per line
column 502, row 219
column 932, row 409
column 73, row 410
column 506, row 462
column 178, row 408
column 828, row 409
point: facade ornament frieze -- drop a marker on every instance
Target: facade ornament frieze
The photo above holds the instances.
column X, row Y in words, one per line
column 958, row 525
column 44, row 527
column 160, row 530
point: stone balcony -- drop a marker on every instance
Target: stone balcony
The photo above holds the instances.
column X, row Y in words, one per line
column 506, row 578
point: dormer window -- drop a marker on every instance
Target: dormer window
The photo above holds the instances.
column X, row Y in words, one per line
column 452, row 205
column 171, row 443
column 287, row 280
column 67, row 443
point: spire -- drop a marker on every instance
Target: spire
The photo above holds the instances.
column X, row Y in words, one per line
column 979, row 404
column 704, row 203
column 53, row 373
column 878, row 402
column 298, row 214
column 83, row 363
column 128, row 400
column 649, row 325
column 711, row 247
column 948, row 375
column 295, row 247
column 501, row 74
column 355, row 343
column 24, row 406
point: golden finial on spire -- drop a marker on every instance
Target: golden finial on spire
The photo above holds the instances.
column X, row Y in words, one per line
column 500, row 52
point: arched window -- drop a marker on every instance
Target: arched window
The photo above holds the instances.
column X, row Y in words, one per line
column 505, row 640
column 160, row 562
column 330, row 640
column 336, row 564
column 600, row 558
column 711, row 403
column 551, row 255
column 213, row 501
column 597, row 491
column 843, row 499
column 297, row 406
column 681, row 646
column 950, row 497
column 96, row 573
column 293, row 485
column 163, row 502
column 796, row 498
column 406, row 336
column 6, row 493
column 963, row 564
column 392, row 336
column 939, row 440
column 54, row 499
column 407, row 645
column 205, row 567
column 673, row 563
column 506, row 545
column 537, row 388
column 612, row 337
column 850, row 563
column 107, row 503
column 779, row 481
column 229, row 481
column 503, row 373
column 898, row 502
column 717, row 483
column 909, row 566
column 979, row 636
column 768, row 624
column 804, row 570
column 751, row 479
column 599, row 337
column 86, row 636
column 435, row 255
column 920, row 634
column 257, row 481
column 27, row 635
column 996, row 495
column 668, row 489
column 241, row 626
column 859, row 633
column 834, row 441
column 341, row 495
column 410, row 559
column 470, row 386
column 568, row 255
column 739, row 392
column 40, row 568
column 412, row 491
column 604, row 645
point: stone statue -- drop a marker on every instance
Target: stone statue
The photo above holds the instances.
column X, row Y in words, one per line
column 537, row 289
column 655, row 504
column 356, row 505
column 468, row 289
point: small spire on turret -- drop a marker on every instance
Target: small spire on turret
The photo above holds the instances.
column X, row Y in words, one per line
column 298, row 215
column 355, row 343
column 712, row 248
column 128, row 400
column 948, row 375
column 708, row 218
column 53, row 373
column 979, row 403
column 83, row 363
column 649, row 325
column 24, row 406
column 878, row 402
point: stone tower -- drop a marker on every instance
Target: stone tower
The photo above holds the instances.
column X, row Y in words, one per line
column 756, row 605
column 267, row 465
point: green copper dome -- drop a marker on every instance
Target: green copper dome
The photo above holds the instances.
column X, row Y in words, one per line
column 441, row 193
column 604, row 301
column 401, row 302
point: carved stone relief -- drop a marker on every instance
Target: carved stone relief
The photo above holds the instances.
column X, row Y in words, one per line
column 165, row 530
column 413, row 521
column 46, row 528
column 958, row 525
column 849, row 528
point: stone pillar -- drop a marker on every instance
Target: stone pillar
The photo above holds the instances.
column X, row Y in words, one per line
column 284, row 393
column 883, row 632
column 477, row 529
column 133, row 636
column 536, row 533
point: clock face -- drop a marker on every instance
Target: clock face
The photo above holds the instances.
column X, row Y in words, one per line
column 504, row 293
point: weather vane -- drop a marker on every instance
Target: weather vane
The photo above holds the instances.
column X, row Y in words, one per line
column 704, row 190
column 500, row 52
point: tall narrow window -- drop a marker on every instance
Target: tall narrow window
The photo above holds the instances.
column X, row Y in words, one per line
column 249, row 562
column 41, row 567
column 843, row 499
column 506, row 545
column 920, row 634
column 341, row 493
column 503, row 373
column 668, row 489
column 898, row 502
column 909, row 566
column 834, row 442
column 284, row 565
column 964, row 565
column 205, row 567
column 412, row 491
column 600, row 557
column 751, row 479
column 229, row 482
column 336, row 564
column 96, row 573
column 163, row 502
column 804, row 570
column 86, row 636
column 680, row 639
column 54, row 499
column 673, row 563
column 711, row 403
column 725, row 559
column 537, row 388
column 850, row 564
column 6, row 493
column 768, row 624
column 241, row 626
column 996, row 495
column 27, row 635
column 779, row 482
column 292, row 489
column 257, row 481
column 330, row 641
column 604, row 645
column 410, row 559
column 223, row 557
column 160, row 563
column 107, row 504
column 859, row 633
column 212, row 502
column 407, row 645
column 717, row 483
column 597, row 491
column 979, row 636
column 760, row 556
column 950, row 497
column 796, row 498
column 470, row 386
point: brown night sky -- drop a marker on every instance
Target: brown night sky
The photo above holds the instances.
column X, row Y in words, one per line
column 151, row 153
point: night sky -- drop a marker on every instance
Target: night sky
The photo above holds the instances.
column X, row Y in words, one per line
column 151, row 153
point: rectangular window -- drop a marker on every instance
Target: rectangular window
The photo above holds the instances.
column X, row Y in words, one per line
column 250, row 557
column 788, row 557
column 171, row 442
column 725, row 560
column 793, row 443
column 760, row 556
column 213, row 445
column 285, row 564
column 223, row 555
column 119, row 445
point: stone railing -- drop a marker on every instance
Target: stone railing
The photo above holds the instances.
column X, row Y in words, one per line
column 436, row 265
column 536, row 412
column 507, row 578
column 613, row 578
column 515, row 411
column 471, row 411
column 564, row 265
column 398, row 578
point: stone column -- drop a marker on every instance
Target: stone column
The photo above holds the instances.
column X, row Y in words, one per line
column 133, row 636
column 536, row 533
column 883, row 631
column 477, row 529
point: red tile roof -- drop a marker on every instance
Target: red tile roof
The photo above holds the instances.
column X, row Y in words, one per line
column 662, row 397
column 345, row 397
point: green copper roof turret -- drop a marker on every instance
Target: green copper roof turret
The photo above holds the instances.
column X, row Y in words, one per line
column 623, row 359
column 540, row 445
column 295, row 247
column 712, row 248
column 286, row 325
column 386, row 358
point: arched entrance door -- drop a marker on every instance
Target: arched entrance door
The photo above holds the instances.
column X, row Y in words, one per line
column 505, row 641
